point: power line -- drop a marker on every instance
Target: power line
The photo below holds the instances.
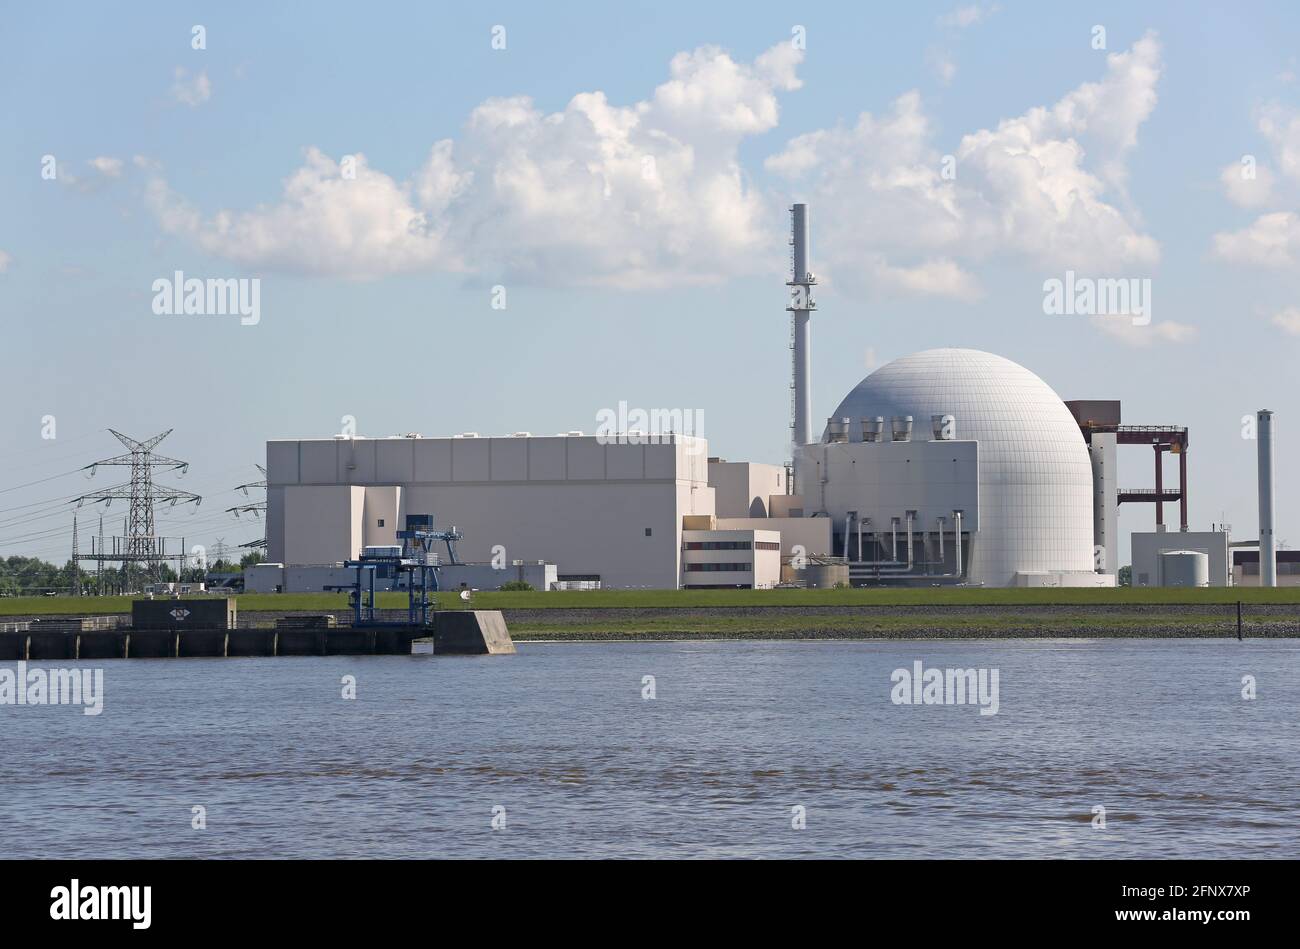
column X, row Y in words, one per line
column 25, row 526
column 257, row 509
column 19, row 507
column 49, row 461
column 40, row 481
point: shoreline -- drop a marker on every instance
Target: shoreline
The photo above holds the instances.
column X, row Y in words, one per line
column 875, row 622
column 885, row 623
column 901, row 635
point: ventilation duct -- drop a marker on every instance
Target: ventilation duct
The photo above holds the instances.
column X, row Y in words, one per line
column 901, row 426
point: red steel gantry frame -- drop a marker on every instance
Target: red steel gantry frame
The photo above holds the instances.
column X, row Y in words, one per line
column 1162, row 438
column 1096, row 416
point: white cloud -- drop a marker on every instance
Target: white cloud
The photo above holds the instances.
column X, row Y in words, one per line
column 1288, row 320
column 941, row 61
column 1027, row 188
column 108, row 167
column 653, row 193
column 943, row 65
column 5, row 260
column 1244, row 191
column 963, row 17
column 324, row 223
column 103, row 172
column 647, row 194
column 939, row 276
column 1123, row 329
column 189, row 91
column 1281, row 126
column 1273, row 240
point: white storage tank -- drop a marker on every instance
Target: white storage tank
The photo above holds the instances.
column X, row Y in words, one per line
column 1185, row 568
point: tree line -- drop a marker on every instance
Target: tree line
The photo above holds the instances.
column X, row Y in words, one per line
column 31, row 576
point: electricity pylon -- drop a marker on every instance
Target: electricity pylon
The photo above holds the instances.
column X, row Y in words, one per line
column 140, row 545
column 76, row 561
column 257, row 509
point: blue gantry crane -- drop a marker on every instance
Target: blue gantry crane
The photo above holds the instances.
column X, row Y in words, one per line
column 414, row 561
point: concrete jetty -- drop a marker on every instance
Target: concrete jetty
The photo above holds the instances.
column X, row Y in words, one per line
column 60, row 645
column 180, row 629
column 466, row 633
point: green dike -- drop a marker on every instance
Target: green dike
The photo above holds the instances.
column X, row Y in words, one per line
column 867, row 621
column 769, row 624
column 665, row 599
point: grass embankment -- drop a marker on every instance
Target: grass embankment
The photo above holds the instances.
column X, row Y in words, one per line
column 768, row 626
column 669, row 599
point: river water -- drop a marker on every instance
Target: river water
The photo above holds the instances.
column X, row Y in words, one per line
column 747, row 749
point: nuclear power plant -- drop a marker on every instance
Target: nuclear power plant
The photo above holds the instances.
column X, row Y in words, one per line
column 944, row 467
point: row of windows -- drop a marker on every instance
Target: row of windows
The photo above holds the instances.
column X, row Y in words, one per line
column 1283, row 568
column 720, row 567
column 729, row 545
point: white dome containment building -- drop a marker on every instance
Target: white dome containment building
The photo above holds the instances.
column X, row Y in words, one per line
column 989, row 444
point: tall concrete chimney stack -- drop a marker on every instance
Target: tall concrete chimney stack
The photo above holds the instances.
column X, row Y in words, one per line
column 801, row 306
column 1267, row 547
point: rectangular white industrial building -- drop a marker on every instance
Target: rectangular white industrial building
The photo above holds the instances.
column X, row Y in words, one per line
column 714, row 559
column 1149, row 547
column 596, row 506
column 277, row 578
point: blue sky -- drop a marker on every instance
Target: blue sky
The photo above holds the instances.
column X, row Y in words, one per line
column 660, row 283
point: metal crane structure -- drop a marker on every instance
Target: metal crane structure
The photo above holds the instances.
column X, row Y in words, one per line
column 256, row 508
column 1102, row 417
column 139, row 544
column 414, row 559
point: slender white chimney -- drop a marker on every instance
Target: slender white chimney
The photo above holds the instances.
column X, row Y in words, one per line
column 801, row 305
column 1267, row 547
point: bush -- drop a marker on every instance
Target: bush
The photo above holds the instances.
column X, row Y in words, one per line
column 517, row 586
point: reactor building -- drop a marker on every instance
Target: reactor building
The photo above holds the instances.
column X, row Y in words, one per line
column 944, row 467
column 958, row 465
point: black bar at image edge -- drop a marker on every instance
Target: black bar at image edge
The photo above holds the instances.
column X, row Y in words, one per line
column 334, row 897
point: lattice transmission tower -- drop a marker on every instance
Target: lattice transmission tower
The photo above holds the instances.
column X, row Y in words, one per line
column 256, row 508
column 76, row 560
column 140, row 544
